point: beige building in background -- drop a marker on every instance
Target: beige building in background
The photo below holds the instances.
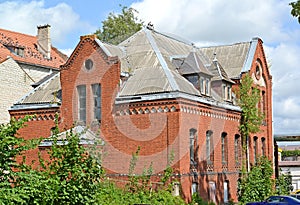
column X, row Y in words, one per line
column 24, row 61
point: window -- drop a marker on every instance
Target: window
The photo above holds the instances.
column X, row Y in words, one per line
column 237, row 145
column 88, row 64
column 224, row 148
column 207, row 87
column 194, row 187
column 255, row 149
column 228, row 93
column 194, row 79
column 16, row 50
column 263, row 101
column 212, row 191
column 226, row 192
column 226, row 89
column 202, row 85
column 96, row 89
column 209, row 147
column 263, row 146
column 81, row 89
column 193, row 146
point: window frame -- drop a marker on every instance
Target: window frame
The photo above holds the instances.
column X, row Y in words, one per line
column 224, row 148
column 97, row 104
column 82, row 103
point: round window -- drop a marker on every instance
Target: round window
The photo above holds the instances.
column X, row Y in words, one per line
column 88, row 64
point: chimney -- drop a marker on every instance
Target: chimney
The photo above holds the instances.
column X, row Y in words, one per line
column 44, row 41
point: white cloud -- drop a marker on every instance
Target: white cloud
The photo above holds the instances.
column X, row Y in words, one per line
column 216, row 21
column 208, row 22
column 24, row 17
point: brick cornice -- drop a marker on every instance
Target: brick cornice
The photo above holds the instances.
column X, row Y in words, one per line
column 40, row 114
column 176, row 106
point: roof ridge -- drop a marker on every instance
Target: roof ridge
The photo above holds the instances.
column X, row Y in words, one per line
column 173, row 37
column 163, row 62
column 231, row 44
column 5, row 30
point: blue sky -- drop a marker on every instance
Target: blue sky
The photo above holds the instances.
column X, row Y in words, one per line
column 204, row 22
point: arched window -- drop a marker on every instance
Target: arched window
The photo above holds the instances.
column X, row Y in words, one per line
column 96, row 89
column 224, row 148
column 209, row 147
column 193, row 146
column 255, row 149
column 237, row 148
column 263, row 146
column 81, row 90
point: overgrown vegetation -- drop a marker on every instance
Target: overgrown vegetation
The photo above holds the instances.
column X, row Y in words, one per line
column 72, row 174
column 258, row 184
column 118, row 27
column 251, row 118
column 196, row 199
column 284, row 184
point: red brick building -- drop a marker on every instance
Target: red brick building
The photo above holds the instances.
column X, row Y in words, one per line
column 165, row 96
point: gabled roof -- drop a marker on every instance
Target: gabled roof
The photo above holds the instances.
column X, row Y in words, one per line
column 193, row 64
column 31, row 55
column 218, row 72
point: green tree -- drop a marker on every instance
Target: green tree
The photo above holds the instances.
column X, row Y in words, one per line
column 251, row 118
column 14, row 173
column 296, row 9
column 74, row 170
column 284, row 184
column 118, row 27
column 258, row 184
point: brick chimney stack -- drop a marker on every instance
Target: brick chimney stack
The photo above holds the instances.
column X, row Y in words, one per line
column 44, row 40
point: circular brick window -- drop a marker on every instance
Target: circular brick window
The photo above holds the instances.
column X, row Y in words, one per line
column 88, row 64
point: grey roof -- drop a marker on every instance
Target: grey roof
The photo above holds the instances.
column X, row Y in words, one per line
column 149, row 55
column 218, row 72
column 193, row 64
column 156, row 63
column 47, row 92
column 233, row 57
column 86, row 136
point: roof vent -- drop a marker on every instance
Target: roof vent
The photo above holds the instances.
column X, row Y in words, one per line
column 215, row 58
column 44, row 41
column 150, row 26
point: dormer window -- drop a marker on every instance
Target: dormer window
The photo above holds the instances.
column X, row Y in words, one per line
column 205, row 86
column 227, row 93
column 194, row 79
column 15, row 50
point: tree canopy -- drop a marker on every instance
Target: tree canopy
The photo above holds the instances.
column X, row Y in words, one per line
column 296, row 9
column 118, row 27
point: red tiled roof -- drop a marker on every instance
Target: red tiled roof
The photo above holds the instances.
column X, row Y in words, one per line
column 30, row 55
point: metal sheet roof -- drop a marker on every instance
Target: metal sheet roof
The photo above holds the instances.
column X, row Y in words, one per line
column 47, row 92
column 152, row 59
column 231, row 57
